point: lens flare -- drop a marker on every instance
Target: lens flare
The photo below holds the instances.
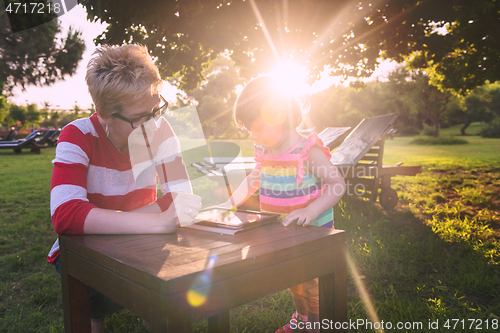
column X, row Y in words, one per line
column 363, row 293
column 195, row 299
column 198, row 294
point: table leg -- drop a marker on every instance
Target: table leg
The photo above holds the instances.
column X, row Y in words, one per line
column 76, row 302
column 169, row 315
column 179, row 321
column 333, row 301
column 219, row 323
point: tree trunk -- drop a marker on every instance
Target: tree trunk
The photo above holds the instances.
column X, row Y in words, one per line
column 466, row 124
column 436, row 127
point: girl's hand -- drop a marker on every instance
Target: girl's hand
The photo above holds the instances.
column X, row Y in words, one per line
column 304, row 216
column 184, row 208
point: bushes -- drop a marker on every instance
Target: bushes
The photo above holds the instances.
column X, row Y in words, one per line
column 428, row 130
column 492, row 130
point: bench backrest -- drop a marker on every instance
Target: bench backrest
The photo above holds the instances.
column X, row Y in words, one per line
column 10, row 135
column 361, row 139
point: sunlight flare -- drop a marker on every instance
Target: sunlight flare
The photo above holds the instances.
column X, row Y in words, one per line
column 363, row 294
column 290, row 78
column 200, row 290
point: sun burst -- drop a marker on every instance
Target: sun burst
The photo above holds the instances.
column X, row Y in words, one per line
column 290, row 78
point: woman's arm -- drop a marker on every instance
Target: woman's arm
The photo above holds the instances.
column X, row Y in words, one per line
column 152, row 208
column 71, row 211
column 182, row 211
column 319, row 165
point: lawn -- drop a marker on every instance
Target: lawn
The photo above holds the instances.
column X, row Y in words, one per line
column 432, row 262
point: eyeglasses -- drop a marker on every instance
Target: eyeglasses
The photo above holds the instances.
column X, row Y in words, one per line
column 142, row 119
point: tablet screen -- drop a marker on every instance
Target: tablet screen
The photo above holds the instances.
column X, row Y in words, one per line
column 229, row 218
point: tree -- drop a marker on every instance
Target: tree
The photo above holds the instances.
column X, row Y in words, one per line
column 76, row 109
column 33, row 116
column 91, row 109
column 430, row 101
column 216, row 96
column 494, row 105
column 17, row 113
column 477, row 107
column 36, row 55
column 55, row 116
column 44, row 113
column 346, row 36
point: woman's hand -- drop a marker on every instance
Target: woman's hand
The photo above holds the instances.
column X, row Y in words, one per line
column 304, row 216
column 183, row 209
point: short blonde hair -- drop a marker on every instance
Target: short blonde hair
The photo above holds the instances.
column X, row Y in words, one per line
column 119, row 76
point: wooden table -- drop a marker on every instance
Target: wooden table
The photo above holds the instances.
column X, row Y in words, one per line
column 173, row 279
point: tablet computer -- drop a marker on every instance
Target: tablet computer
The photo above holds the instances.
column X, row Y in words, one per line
column 239, row 219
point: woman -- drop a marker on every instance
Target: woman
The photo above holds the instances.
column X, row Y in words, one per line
column 93, row 188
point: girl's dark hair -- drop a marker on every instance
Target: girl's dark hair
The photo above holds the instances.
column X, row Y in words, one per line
column 260, row 93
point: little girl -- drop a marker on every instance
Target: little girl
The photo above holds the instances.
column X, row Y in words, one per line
column 294, row 174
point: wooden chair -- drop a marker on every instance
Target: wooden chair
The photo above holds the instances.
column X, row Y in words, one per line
column 9, row 136
column 52, row 140
column 359, row 158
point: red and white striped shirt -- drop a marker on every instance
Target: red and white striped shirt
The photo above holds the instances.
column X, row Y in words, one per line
column 90, row 172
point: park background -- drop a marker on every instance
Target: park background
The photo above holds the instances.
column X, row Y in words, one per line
column 434, row 257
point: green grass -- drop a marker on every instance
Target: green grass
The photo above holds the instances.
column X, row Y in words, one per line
column 434, row 257
column 473, row 129
column 441, row 140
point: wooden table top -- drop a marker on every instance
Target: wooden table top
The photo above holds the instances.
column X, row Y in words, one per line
column 178, row 258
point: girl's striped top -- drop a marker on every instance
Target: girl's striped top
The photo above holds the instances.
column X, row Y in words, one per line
column 90, row 172
column 285, row 183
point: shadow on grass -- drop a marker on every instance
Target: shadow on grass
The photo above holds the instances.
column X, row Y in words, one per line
column 411, row 274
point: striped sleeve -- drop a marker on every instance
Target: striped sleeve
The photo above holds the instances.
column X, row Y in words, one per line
column 69, row 204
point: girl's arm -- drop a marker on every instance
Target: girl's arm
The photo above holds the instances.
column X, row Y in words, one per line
column 319, row 164
column 246, row 189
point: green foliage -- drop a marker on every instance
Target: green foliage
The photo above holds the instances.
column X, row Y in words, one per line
column 17, row 114
column 215, row 98
column 479, row 105
column 427, row 130
column 4, row 110
column 492, row 130
column 345, row 36
column 407, row 93
column 443, row 140
column 25, row 116
column 36, row 55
